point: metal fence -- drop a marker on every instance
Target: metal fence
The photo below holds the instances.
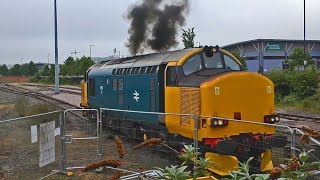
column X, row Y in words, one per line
column 134, row 128
column 124, row 124
column 30, row 146
column 80, row 138
column 311, row 145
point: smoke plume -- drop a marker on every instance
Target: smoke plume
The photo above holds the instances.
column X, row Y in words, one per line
column 154, row 24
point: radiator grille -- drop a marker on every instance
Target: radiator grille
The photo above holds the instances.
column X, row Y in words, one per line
column 190, row 104
column 184, row 106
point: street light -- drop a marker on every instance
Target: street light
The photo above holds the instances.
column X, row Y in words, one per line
column 56, row 71
column 304, row 26
column 90, row 49
column 48, row 59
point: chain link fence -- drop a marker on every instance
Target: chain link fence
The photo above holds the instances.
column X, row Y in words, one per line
column 305, row 143
column 80, row 138
column 30, row 146
column 145, row 137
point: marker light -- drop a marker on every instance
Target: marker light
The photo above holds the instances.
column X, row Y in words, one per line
column 218, row 122
column 271, row 119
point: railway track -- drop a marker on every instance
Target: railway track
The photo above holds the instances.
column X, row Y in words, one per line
column 26, row 92
column 299, row 117
column 77, row 91
column 63, row 89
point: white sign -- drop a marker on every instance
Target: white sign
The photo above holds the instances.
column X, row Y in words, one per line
column 34, row 134
column 216, row 90
column 136, row 95
column 57, row 131
column 47, row 143
column 101, row 90
column 268, row 89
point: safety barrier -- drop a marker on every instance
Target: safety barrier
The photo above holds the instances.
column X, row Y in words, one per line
column 79, row 138
column 30, row 146
column 83, row 136
column 135, row 127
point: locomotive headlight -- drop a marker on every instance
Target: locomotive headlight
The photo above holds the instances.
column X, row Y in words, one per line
column 277, row 118
column 215, row 122
column 220, row 122
column 272, row 119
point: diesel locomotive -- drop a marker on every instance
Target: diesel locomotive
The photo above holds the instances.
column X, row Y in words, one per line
column 207, row 82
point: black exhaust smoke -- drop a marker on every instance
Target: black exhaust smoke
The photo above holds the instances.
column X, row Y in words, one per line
column 155, row 27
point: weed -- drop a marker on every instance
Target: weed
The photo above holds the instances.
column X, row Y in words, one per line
column 116, row 175
column 120, row 147
column 95, row 165
column 309, row 133
column 21, row 105
column 174, row 173
column 153, row 142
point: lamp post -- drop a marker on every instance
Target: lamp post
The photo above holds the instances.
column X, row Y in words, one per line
column 56, row 79
column 48, row 59
column 90, row 49
column 304, row 35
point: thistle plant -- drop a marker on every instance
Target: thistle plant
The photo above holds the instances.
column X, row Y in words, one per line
column 174, row 173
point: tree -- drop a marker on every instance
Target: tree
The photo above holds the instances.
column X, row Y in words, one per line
column 32, row 69
column 24, row 70
column 45, row 71
column 298, row 57
column 241, row 59
column 84, row 64
column 15, row 70
column 188, row 38
column 4, row 70
column 69, row 68
column 52, row 70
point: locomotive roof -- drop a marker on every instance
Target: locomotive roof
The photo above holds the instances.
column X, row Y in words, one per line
column 147, row 59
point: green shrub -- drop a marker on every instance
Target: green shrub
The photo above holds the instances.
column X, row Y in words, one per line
column 294, row 84
column 305, row 83
column 282, row 82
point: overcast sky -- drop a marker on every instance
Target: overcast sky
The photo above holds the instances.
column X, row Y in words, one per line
column 26, row 26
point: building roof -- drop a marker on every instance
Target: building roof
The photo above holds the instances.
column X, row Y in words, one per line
column 274, row 40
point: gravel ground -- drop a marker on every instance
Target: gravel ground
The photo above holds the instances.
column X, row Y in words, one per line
column 70, row 98
column 299, row 124
column 297, row 112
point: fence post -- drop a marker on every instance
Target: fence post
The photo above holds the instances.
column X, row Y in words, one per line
column 99, row 134
column 63, row 145
column 195, row 141
column 293, row 142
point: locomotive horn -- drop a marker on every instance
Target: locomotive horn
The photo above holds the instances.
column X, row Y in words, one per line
column 208, row 51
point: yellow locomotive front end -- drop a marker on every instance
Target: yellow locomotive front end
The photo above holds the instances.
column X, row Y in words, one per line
column 229, row 104
column 238, row 95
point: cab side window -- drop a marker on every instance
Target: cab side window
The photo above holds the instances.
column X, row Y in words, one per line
column 171, row 76
column 231, row 63
column 192, row 65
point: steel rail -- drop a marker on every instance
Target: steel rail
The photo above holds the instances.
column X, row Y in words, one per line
column 299, row 117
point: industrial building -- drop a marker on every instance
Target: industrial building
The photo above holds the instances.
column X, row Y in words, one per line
column 268, row 54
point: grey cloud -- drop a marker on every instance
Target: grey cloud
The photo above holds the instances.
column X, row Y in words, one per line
column 26, row 27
